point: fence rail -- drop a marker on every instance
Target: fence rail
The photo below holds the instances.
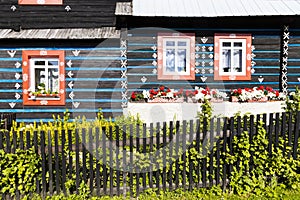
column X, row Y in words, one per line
column 130, row 159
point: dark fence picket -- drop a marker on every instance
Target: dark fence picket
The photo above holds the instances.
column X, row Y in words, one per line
column 183, row 133
column 14, row 148
column 84, row 152
column 218, row 161
column 290, row 129
column 97, row 136
column 251, row 135
column 28, row 142
column 277, row 128
column 36, row 148
column 137, row 168
column 50, row 167
column 124, row 166
column 131, row 160
column 270, row 133
column 21, row 140
column 144, row 152
column 157, row 172
column 177, row 137
column 204, row 160
column 265, row 121
column 211, row 152
column 43, row 154
column 230, row 145
column 63, row 162
column 77, row 157
column 111, row 170
column 57, row 161
column 191, row 165
column 283, row 131
column 7, row 141
column 118, row 168
column 164, row 172
column 70, row 147
column 1, row 139
column 150, row 174
column 198, row 150
column 91, row 160
column 170, row 161
column 104, row 161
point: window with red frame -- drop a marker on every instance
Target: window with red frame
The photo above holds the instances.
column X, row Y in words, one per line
column 40, row 2
column 43, row 77
column 176, row 56
column 232, row 57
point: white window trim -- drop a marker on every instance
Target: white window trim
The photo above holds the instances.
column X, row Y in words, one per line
column 188, row 52
column 46, row 67
column 243, row 72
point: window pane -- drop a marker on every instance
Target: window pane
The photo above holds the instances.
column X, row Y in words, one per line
column 39, row 62
column 237, row 60
column 181, row 61
column 181, row 43
column 170, row 43
column 226, row 60
column 238, row 44
column 170, row 60
column 53, row 80
column 226, row 44
column 53, row 63
column 40, row 80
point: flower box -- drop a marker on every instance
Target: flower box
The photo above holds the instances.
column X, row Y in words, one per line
column 234, row 99
column 215, row 100
column 166, row 100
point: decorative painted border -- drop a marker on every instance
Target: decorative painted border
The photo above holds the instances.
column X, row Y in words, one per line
column 217, row 38
column 26, row 55
column 161, row 75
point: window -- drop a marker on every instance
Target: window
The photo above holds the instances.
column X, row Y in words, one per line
column 43, row 78
column 232, row 57
column 176, row 56
column 40, row 2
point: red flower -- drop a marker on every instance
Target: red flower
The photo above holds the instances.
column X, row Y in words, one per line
column 161, row 88
column 214, row 92
column 133, row 96
column 277, row 94
column 269, row 89
column 168, row 90
column 163, row 94
column 239, row 91
column 151, row 96
column 195, row 92
column 261, row 87
column 152, row 91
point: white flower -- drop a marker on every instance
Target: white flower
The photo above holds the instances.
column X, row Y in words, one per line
column 146, row 94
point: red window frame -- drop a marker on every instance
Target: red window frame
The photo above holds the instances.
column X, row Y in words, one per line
column 217, row 74
column 190, row 75
column 40, row 2
column 26, row 55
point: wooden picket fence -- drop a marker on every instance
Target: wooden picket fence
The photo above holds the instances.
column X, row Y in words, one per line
column 102, row 157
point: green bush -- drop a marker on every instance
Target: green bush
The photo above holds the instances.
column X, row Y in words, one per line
column 20, row 170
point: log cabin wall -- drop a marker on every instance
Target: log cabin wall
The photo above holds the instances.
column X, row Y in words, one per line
column 92, row 78
column 72, row 14
column 142, row 50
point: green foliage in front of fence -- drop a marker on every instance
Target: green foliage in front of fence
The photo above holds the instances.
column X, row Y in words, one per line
column 271, row 171
column 20, row 171
column 196, row 157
